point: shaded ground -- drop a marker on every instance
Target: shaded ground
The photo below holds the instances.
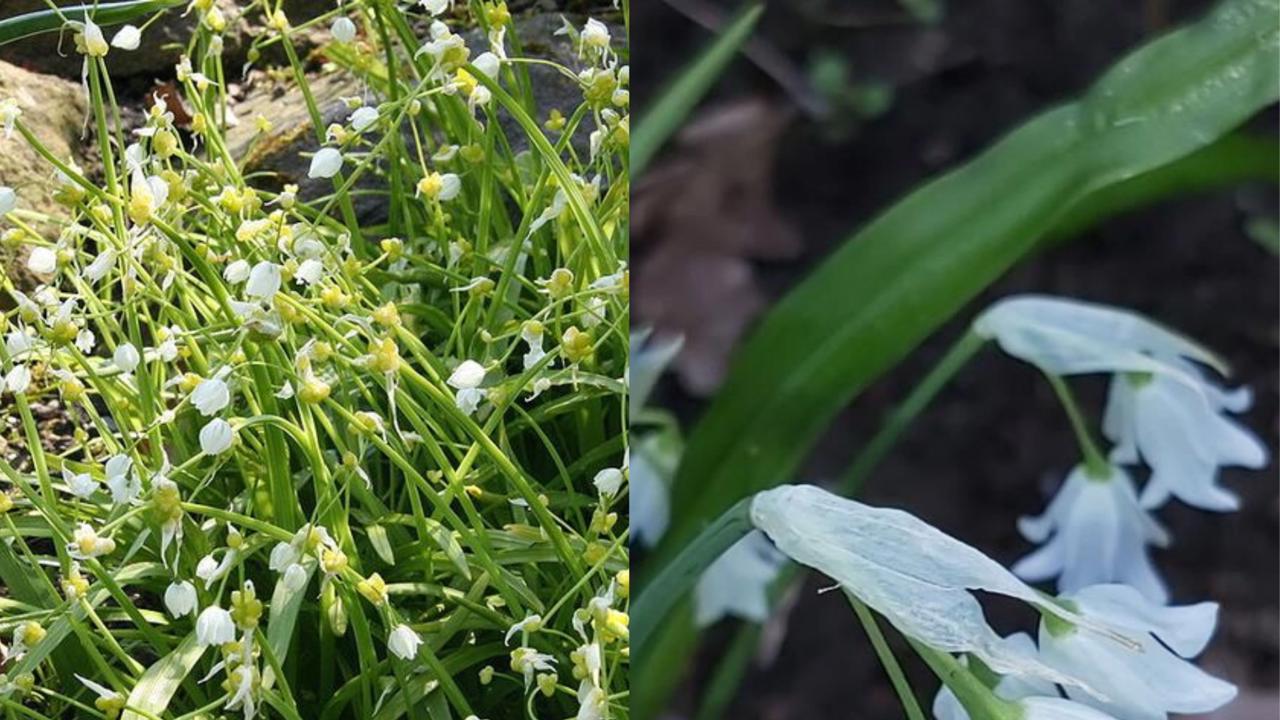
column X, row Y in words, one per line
column 995, row 443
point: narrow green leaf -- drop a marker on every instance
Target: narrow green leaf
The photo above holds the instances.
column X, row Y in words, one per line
column 918, row 263
column 381, row 543
column 449, row 544
column 21, row 26
column 669, row 111
column 157, row 685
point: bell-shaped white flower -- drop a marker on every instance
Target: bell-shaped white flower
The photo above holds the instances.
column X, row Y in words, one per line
column 435, row 7
column 1094, row 531
column 466, row 379
column 180, row 598
column 487, row 63
column 211, row 570
column 82, row 485
column 309, row 271
column 650, row 503
column 527, row 662
column 216, row 437
column 1143, row 683
column 363, row 118
column 122, row 480
column 42, row 260
column 1183, row 433
column 8, row 199
column 86, row 543
column 737, row 583
column 264, row 281
column 128, row 37
column 211, row 396
column 95, row 43
column 343, row 30
column 236, row 272
column 214, row 626
column 919, row 578
column 403, row 642
column 126, row 357
column 325, row 163
column 608, row 481
column 295, row 577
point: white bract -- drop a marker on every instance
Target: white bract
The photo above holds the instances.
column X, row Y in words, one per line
column 325, row 163
column 1094, row 531
column 1143, row 684
column 737, row 583
column 919, row 578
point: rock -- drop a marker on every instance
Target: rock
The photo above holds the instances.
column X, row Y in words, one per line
column 54, row 109
column 162, row 42
column 285, row 152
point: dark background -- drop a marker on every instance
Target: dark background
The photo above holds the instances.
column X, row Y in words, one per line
column 995, row 444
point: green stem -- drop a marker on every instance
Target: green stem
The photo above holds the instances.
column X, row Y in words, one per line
column 978, row 699
column 891, row 667
column 671, row 584
column 1095, row 463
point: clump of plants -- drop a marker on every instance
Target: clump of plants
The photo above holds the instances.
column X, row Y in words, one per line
column 321, row 467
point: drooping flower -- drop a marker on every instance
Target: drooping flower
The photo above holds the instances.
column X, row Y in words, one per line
column 264, row 281
column 343, row 30
column 128, row 37
column 650, row 502
column 325, row 163
column 42, row 260
column 211, row 396
column 236, row 272
column 532, row 333
column 180, row 598
column 466, row 379
column 737, row 583
column 1094, row 531
column 86, row 543
column 214, row 626
column 110, row 703
column 946, row 706
column 1182, row 431
column 126, row 357
column 122, row 480
column 1143, row 683
column 363, row 118
column 608, row 481
column 94, row 42
column 403, row 642
column 527, row 661
column 530, row 624
column 82, row 485
column 216, row 437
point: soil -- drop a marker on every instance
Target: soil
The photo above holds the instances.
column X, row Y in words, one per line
column 995, row 444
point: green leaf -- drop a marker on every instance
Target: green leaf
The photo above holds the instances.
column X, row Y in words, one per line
column 21, row 26
column 158, row 684
column 449, row 544
column 381, row 544
column 917, row 264
column 669, row 111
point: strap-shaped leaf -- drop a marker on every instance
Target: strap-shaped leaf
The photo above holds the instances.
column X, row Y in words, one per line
column 159, row 682
column 917, row 264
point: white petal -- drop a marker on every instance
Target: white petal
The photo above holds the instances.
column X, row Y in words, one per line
column 363, row 118
column 211, row 396
column 216, row 437
column 469, row 374
column 127, row 38
column 236, row 272
column 1055, row 708
column 608, row 481
column 737, row 583
column 325, row 163
column 180, row 598
column 404, row 642
column 264, row 281
column 215, row 627
column 42, row 261
column 650, row 505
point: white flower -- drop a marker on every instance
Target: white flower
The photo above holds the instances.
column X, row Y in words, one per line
column 264, row 281
column 737, row 583
column 608, row 481
column 210, row 569
column 650, row 504
column 8, row 198
column 532, row 333
column 214, row 626
column 243, row 679
column 284, row 555
column 211, row 396
column 591, row 702
column 435, row 7
column 295, row 577
column 121, row 480
column 946, row 706
column 18, row 379
column 127, row 38
column 404, row 642
column 1146, row 682
column 919, row 578
column 595, row 34
column 82, row 485
column 180, row 598
column 101, row 265
column 42, row 260
column 343, row 30
column 487, row 63
column 126, row 357
column 325, row 163
column 104, row 693
column 309, row 272
column 216, row 437
column 1099, row 534
column 1183, row 433
column 363, row 118
column 85, row 543
column 236, row 272
column 527, row 661
column 466, row 379
column 532, row 623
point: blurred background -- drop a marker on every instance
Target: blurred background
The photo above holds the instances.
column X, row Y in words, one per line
column 835, row 110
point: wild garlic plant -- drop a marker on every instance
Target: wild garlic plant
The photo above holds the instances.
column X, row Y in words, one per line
column 323, row 466
column 1109, row 644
